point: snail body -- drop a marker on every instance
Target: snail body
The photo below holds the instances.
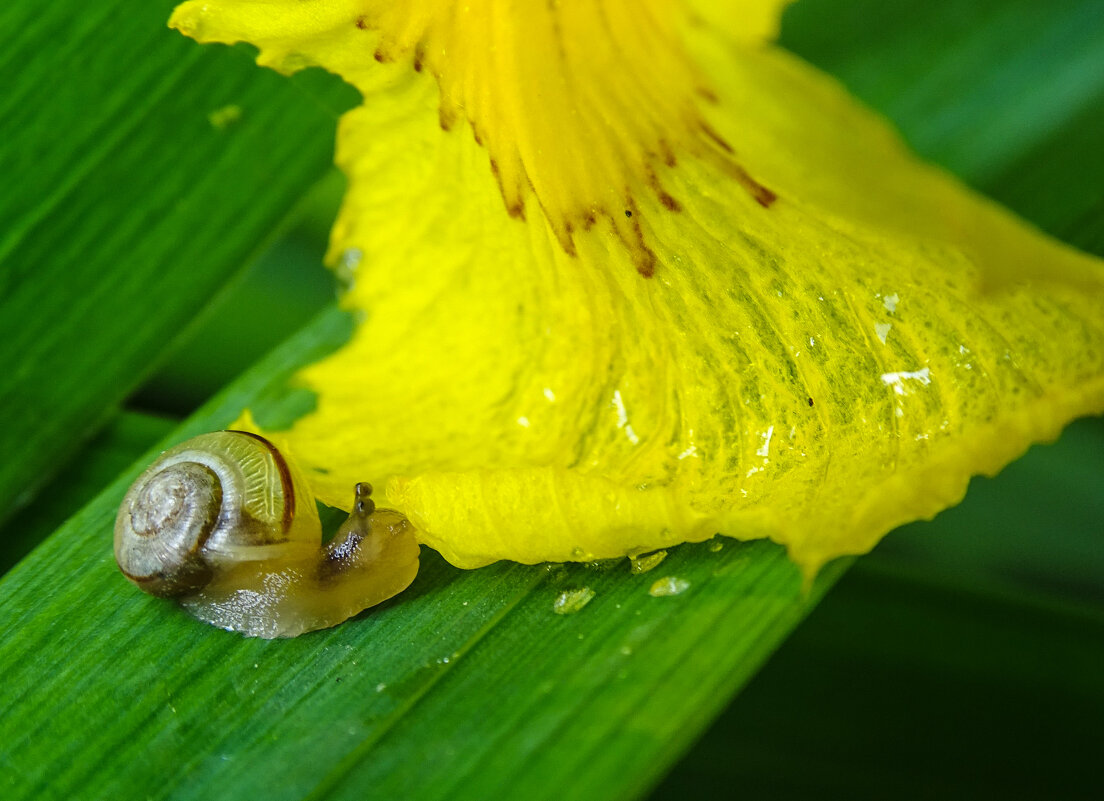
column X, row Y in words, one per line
column 225, row 524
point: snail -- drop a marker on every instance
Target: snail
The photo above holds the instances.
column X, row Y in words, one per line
column 225, row 524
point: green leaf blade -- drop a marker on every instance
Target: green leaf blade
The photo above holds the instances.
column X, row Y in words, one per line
column 142, row 697
column 128, row 208
column 125, row 439
column 111, row 694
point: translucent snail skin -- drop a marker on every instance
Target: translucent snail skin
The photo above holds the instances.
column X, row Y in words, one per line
column 227, row 526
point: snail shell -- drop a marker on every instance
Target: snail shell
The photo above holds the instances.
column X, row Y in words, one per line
column 226, row 524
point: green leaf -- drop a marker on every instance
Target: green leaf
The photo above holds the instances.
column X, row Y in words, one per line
column 1007, row 95
column 109, row 694
column 277, row 294
column 960, row 660
column 125, row 206
column 922, row 688
column 362, row 704
column 110, row 452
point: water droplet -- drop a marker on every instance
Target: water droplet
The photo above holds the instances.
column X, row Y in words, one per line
column 623, row 417
column 715, row 546
column 897, row 380
column 381, row 687
column 642, row 564
column 571, row 601
column 668, row 585
column 764, row 449
column 346, row 269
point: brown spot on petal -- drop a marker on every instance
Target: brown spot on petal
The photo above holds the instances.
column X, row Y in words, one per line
column 573, row 138
column 716, row 138
column 664, row 196
column 446, row 116
column 668, row 153
column 629, row 231
column 669, row 202
column 763, row 196
column 645, row 261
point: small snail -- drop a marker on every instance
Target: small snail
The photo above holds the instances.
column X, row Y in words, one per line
column 227, row 526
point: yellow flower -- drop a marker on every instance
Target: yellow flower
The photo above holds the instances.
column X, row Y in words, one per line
column 630, row 275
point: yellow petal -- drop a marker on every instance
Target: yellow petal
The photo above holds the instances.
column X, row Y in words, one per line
column 631, row 276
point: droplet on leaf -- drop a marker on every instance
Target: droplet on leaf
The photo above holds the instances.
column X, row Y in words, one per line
column 668, row 585
column 642, row 564
column 571, row 601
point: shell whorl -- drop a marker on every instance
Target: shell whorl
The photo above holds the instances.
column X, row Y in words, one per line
column 163, row 524
column 215, row 500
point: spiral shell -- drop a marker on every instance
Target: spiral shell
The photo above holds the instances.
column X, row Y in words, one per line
column 227, row 525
